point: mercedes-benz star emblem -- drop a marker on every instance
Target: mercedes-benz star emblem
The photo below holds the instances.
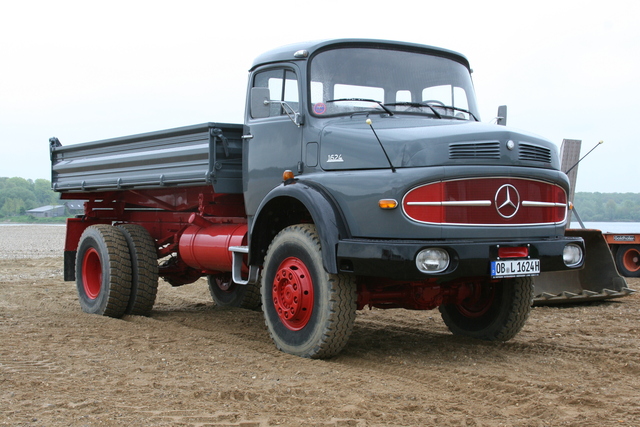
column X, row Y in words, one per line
column 507, row 201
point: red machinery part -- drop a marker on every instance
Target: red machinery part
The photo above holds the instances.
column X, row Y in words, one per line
column 425, row 295
column 207, row 248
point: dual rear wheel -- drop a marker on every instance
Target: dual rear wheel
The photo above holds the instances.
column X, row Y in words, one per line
column 116, row 270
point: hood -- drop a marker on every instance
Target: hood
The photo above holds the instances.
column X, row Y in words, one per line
column 351, row 144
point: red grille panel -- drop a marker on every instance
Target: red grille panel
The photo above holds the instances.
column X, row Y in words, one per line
column 487, row 201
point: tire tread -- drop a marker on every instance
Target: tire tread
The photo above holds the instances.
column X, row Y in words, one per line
column 144, row 269
column 514, row 312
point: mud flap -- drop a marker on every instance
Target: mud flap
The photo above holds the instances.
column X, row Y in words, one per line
column 598, row 280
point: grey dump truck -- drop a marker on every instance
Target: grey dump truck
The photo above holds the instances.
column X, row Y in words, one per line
column 361, row 177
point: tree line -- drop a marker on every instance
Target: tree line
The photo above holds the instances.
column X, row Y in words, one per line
column 18, row 195
column 608, row 207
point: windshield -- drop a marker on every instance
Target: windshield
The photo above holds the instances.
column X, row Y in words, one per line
column 346, row 81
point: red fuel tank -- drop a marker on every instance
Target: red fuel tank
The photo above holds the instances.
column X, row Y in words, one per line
column 207, row 248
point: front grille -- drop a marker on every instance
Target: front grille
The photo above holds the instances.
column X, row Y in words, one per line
column 488, row 201
column 534, row 153
column 475, row 150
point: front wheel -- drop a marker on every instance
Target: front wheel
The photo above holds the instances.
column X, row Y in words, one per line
column 308, row 312
column 495, row 311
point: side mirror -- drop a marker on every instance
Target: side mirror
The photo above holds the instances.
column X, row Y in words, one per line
column 260, row 102
column 502, row 115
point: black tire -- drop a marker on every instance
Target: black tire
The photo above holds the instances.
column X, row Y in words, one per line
column 628, row 260
column 103, row 271
column 497, row 312
column 144, row 269
column 226, row 293
column 308, row 312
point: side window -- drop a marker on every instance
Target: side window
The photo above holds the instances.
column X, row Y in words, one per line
column 283, row 86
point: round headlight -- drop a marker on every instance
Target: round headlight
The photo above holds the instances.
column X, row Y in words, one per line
column 432, row 260
column 572, row 255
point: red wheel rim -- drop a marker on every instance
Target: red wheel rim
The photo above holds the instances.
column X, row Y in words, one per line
column 293, row 294
column 224, row 283
column 92, row 273
column 631, row 260
column 479, row 303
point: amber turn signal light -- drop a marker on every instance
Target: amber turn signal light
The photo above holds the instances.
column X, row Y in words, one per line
column 287, row 175
column 388, row 204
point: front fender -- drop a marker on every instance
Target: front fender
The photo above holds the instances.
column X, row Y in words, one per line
column 292, row 203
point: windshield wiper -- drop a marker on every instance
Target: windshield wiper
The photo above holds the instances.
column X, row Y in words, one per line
column 437, row 105
column 417, row 105
column 364, row 100
column 461, row 110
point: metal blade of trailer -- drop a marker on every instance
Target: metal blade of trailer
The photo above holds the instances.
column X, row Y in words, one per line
column 598, row 280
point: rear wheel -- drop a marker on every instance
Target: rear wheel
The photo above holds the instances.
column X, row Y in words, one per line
column 144, row 269
column 308, row 312
column 103, row 271
column 628, row 260
column 496, row 311
column 227, row 293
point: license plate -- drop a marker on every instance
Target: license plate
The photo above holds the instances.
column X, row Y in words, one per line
column 515, row 268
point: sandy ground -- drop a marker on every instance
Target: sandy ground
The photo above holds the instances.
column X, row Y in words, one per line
column 193, row 364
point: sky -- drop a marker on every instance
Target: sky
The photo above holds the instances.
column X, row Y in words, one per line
column 85, row 71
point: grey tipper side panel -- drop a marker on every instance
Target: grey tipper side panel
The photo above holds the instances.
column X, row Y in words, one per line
column 209, row 153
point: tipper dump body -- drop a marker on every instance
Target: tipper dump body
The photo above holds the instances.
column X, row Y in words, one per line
column 209, row 153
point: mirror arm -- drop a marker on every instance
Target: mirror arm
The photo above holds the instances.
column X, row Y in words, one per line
column 296, row 118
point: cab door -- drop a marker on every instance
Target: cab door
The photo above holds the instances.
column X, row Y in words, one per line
column 273, row 137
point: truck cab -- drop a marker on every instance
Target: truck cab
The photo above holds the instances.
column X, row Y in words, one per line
column 425, row 171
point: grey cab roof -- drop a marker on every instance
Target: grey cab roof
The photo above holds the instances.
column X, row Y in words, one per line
column 286, row 53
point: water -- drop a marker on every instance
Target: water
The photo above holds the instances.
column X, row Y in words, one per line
column 611, row 227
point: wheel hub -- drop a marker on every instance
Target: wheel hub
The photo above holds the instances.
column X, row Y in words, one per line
column 479, row 302
column 631, row 260
column 224, row 282
column 293, row 293
column 92, row 273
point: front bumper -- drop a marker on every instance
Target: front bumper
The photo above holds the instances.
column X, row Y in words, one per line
column 395, row 259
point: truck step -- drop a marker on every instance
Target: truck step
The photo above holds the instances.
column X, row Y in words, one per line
column 236, row 267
